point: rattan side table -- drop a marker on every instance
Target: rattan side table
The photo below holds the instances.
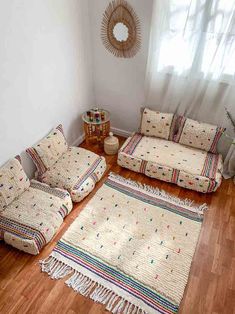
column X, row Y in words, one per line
column 96, row 125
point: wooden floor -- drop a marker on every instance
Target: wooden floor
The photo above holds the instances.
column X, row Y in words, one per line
column 211, row 285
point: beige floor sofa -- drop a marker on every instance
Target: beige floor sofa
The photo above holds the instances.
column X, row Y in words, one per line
column 175, row 149
column 74, row 169
column 30, row 212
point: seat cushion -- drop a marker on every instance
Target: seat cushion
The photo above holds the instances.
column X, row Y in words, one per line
column 46, row 152
column 198, row 134
column 77, row 171
column 172, row 162
column 13, row 182
column 32, row 219
column 159, row 124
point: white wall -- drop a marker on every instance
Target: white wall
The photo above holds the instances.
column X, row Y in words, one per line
column 119, row 82
column 45, row 71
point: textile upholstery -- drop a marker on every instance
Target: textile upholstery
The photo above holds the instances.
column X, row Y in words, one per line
column 33, row 218
column 155, row 123
column 172, row 162
column 198, row 135
column 46, row 152
column 13, row 182
column 77, row 171
column 74, row 169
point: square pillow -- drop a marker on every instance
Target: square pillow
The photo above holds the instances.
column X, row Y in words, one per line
column 46, row 152
column 158, row 124
column 198, row 134
column 13, row 182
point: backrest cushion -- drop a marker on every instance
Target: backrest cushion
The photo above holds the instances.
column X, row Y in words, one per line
column 46, row 152
column 13, row 182
column 198, row 134
column 158, row 124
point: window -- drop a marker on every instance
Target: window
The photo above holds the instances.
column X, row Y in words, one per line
column 198, row 37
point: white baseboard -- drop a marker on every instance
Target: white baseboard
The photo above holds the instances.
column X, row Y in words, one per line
column 79, row 140
column 121, row 132
column 116, row 131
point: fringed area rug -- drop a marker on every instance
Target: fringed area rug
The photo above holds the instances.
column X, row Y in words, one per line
column 130, row 248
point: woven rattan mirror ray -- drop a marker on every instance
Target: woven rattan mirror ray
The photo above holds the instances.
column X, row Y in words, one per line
column 120, row 30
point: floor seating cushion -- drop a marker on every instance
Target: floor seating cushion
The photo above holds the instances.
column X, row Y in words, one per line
column 74, row 169
column 198, row 134
column 33, row 212
column 172, row 162
column 13, row 181
column 158, row 124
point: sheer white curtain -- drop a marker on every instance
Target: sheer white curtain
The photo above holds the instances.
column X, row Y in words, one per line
column 191, row 63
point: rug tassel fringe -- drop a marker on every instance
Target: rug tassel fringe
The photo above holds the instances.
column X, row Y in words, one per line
column 54, row 268
column 184, row 202
column 89, row 288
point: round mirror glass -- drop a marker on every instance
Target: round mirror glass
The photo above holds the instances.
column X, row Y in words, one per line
column 120, row 32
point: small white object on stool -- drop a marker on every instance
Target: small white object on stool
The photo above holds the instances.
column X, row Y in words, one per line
column 111, row 144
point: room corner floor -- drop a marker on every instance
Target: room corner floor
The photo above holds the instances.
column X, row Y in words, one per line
column 211, row 286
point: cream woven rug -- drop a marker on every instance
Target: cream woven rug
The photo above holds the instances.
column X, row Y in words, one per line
column 130, row 248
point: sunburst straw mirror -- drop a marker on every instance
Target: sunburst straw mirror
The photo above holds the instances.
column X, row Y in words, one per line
column 120, row 30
